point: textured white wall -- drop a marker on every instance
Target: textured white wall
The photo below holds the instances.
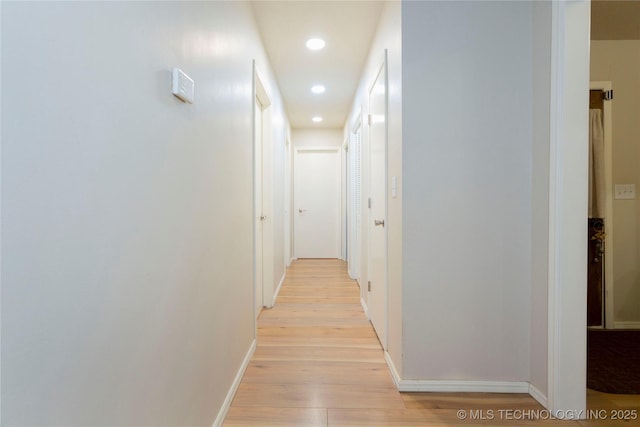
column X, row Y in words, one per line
column 467, row 136
column 127, row 286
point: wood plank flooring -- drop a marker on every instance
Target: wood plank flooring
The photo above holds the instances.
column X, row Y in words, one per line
column 318, row 362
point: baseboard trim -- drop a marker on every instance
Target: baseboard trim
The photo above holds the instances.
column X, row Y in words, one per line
column 234, row 386
column 538, row 395
column 275, row 295
column 626, row 325
column 364, row 307
column 392, row 368
column 454, row 386
column 463, row 386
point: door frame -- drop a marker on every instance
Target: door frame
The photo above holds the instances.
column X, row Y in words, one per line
column 344, row 200
column 260, row 94
column 288, row 203
column 568, row 176
column 353, row 231
column 608, row 219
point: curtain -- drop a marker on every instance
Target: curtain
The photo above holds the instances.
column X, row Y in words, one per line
column 596, row 165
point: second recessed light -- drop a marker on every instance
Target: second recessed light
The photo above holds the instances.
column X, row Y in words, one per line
column 316, row 119
column 318, row 89
column 315, row 44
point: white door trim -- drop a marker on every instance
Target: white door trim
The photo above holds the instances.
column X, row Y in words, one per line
column 344, row 198
column 608, row 219
column 568, row 174
column 355, row 227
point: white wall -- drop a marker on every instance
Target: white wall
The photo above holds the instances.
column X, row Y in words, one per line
column 127, row 286
column 618, row 61
column 388, row 36
column 316, row 138
column 540, row 197
column 467, row 137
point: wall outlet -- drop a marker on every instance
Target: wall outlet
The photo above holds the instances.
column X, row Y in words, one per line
column 625, row 191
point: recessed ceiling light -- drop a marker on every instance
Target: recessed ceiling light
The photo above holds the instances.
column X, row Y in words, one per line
column 316, row 119
column 318, row 89
column 315, row 44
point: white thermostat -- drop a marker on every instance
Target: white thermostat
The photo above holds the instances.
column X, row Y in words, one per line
column 183, row 86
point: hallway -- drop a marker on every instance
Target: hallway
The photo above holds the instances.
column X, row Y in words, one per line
column 316, row 350
column 318, row 363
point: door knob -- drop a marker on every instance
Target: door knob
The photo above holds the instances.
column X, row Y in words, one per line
column 301, row 210
column 378, row 222
column 263, row 217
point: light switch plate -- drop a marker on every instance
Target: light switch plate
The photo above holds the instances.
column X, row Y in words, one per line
column 625, row 191
column 183, row 86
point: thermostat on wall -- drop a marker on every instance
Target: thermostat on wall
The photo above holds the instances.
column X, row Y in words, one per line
column 183, row 86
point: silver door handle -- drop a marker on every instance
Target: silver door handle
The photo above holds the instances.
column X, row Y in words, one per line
column 263, row 217
column 378, row 222
column 301, row 210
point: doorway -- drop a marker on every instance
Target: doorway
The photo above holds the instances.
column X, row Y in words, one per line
column 263, row 217
column 600, row 222
column 615, row 59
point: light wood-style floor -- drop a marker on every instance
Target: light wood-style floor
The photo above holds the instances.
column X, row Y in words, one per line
column 318, row 362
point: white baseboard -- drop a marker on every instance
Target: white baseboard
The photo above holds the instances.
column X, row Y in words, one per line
column 462, row 386
column 275, row 295
column 458, row 386
column 365, row 308
column 626, row 325
column 234, row 386
column 392, row 367
column 538, row 395
column 454, row 386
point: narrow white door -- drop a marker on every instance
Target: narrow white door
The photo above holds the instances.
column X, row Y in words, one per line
column 258, row 215
column 317, row 194
column 377, row 253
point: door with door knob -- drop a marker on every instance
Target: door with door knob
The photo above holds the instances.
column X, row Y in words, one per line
column 317, row 203
column 377, row 245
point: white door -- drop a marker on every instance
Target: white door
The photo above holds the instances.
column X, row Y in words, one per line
column 377, row 253
column 258, row 215
column 317, row 205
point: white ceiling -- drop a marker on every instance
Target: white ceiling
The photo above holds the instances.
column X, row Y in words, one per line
column 347, row 27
